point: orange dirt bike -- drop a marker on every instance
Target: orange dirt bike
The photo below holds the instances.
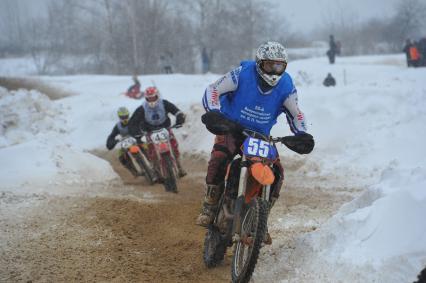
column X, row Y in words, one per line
column 242, row 215
column 138, row 158
column 164, row 163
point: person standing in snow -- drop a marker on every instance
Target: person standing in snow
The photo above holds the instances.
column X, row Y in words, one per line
column 332, row 51
column 252, row 95
column 153, row 115
column 122, row 129
column 166, row 63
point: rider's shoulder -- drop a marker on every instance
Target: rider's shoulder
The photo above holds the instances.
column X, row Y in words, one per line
column 247, row 64
column 286, row 83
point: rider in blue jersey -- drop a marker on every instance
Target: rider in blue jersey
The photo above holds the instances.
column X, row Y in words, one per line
column 252, row 95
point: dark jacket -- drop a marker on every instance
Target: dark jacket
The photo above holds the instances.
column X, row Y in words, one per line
column 111, row 141
column 137, row 122
column 329, row 81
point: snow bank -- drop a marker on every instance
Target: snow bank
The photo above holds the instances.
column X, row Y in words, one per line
column 35, row 151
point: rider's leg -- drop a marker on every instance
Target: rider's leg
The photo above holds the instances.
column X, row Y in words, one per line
column 151, row 154
column 126, row 162
column 222, row 153
column 175, row 148
column 275, row 193
column 279, row 179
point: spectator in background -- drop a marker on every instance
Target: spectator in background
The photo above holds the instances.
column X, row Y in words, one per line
column 331, row 53
column 413, row 53
column 329, row 81
column 205, row 60
column 134, row 91
column 166, row 63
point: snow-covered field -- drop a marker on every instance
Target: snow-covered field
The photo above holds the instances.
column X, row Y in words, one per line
column 369, row 132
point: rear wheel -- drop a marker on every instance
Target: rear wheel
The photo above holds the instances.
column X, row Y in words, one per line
column 170, row 178
column 253, row 229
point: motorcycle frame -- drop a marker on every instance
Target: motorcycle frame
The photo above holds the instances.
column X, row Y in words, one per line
column 160, row 150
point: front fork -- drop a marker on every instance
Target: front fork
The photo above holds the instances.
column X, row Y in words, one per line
column 240, row 202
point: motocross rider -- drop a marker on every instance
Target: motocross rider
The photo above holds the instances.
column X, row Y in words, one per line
column 252, row 95
column 153, row 115
column 122, row 129
column 134, row 91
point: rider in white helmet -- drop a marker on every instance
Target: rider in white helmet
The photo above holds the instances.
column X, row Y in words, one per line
column 253, row 96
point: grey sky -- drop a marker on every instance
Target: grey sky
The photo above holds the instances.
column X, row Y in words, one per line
column 304, row 15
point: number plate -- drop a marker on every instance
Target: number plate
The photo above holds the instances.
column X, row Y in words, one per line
column 128, row 142
column 260, row 148
column 160, row 136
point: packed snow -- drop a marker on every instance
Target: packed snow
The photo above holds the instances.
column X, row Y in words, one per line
column 369, row 131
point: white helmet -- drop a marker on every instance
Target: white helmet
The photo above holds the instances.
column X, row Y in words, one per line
column 271, row 62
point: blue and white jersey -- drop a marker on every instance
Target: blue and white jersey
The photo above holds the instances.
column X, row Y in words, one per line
column 238, row 96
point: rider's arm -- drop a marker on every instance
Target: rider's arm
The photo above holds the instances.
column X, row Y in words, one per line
column 223, row 86
column 171, row 108
column 135, row 122
column 295, row 117
column 111, row 142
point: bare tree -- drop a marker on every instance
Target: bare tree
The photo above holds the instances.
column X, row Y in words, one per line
column 409, row 19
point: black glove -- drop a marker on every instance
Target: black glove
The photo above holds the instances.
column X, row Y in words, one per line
column 111, row 142
column 302, row 143
column 217, row 124
column 180, row 119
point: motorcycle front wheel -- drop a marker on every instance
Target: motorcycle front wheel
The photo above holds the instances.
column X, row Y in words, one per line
column 144, row 164
column 170, row 178
column 246, row 252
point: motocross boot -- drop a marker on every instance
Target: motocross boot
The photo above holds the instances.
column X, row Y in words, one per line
column 209, row 208
column 182, row 171
column 267, row 240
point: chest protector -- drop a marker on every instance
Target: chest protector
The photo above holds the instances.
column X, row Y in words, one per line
column 155, row 116
column 124, row 130
column 248, row 106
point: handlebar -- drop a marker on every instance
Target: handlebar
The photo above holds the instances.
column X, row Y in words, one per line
column 218, row 124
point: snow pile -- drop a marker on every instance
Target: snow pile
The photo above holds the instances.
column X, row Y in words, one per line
column 26, row 114
column 35, row 151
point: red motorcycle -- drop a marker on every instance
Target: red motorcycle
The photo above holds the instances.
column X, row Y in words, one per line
column 163, row 158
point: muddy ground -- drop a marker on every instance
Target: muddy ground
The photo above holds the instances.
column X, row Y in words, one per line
column 118, row 234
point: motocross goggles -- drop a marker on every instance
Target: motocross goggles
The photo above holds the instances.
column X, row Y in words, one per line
column 273, row 67
column 124, row 119
column 152, row 98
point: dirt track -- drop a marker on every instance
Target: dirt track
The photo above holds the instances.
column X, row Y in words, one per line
column 123, row 238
